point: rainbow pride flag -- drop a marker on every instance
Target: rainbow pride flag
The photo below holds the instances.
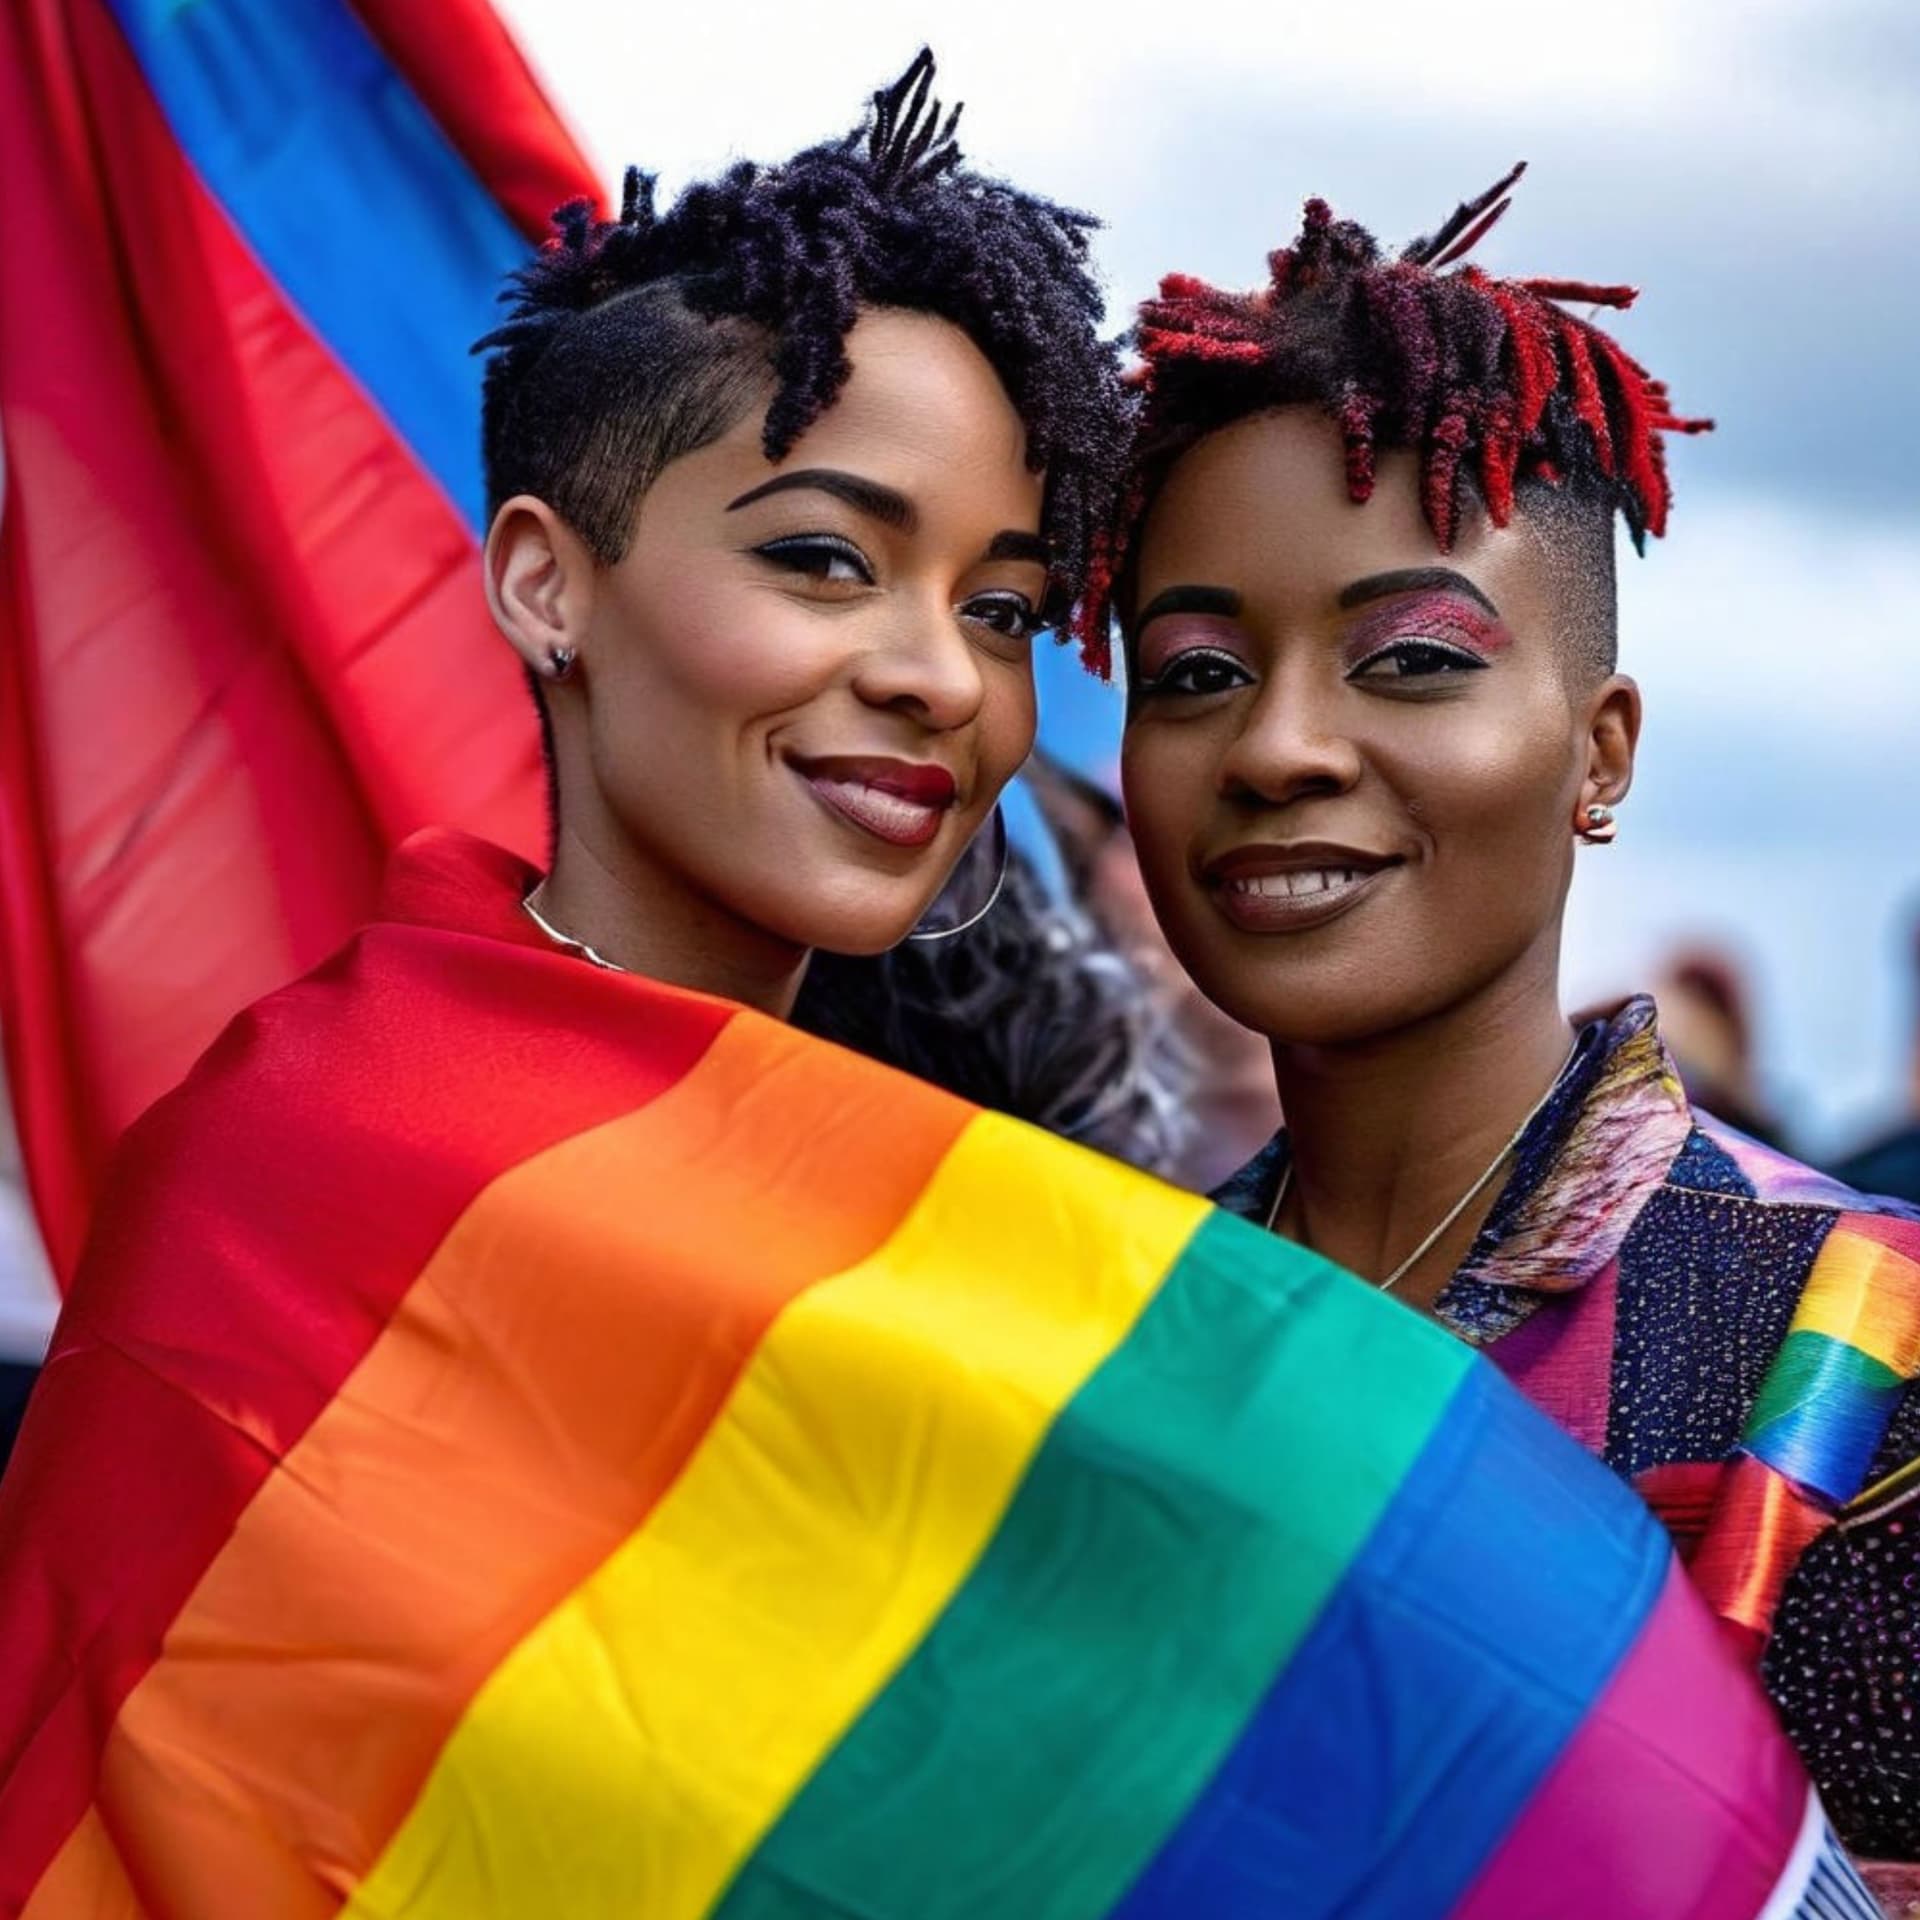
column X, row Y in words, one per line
column 243, row 651
column 527, row 1441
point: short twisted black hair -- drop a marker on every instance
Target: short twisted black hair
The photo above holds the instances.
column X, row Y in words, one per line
column 633, row 341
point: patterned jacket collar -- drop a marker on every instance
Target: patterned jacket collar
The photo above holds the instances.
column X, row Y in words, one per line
column 1584, row 1168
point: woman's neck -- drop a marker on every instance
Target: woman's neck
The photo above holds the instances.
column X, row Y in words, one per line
column 644, row 920
column 1387, row 1134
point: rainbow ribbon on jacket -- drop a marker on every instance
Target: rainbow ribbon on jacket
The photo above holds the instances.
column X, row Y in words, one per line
column 1821, row 1415
column 528, row 1441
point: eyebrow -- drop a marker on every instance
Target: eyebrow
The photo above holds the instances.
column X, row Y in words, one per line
column 1377, row 586
column 1218, row 600
column 1015, row 545
column 885, row 504
column 889, row 506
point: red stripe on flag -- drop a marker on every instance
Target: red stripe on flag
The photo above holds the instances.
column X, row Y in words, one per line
column 245, row 649
column 469, row 73
column 323, row 1150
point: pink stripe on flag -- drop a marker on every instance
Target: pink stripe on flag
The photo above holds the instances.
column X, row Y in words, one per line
column 1681, row 1695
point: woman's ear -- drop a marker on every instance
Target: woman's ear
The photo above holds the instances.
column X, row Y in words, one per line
column 1613, row 732
column 539, row 581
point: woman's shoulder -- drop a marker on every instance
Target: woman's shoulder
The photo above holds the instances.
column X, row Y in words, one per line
column 1755, row 1227
column 1774, row 1242
column 312, row 1117
column 1720, row 1155
column 1769, row 1307
column 1754, row 1291
column 1743, row 1229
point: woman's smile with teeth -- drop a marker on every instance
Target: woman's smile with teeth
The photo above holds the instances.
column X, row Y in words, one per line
column 1290, row 898
column 1296, row 885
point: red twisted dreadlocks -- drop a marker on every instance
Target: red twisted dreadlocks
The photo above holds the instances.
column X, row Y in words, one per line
column 1490, row 382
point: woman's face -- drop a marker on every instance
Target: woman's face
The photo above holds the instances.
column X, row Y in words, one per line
column 1353, row 762
column 801, row 691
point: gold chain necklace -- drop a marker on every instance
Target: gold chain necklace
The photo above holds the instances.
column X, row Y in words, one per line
column 1460, row 1206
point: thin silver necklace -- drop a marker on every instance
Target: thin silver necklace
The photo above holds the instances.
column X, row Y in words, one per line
column 567, row 940
column 1460, row 1206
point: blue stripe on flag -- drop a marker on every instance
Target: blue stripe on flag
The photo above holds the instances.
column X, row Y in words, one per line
column 350, row 197
column 1308, row 1814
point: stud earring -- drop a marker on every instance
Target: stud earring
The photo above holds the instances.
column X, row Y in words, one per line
column 560, row 662
column 1597, row 826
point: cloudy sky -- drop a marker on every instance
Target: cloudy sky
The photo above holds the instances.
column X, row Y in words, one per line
column 1751, row 166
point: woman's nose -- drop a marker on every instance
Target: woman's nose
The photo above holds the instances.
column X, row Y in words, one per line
column 1292, row 745
column 926, row 667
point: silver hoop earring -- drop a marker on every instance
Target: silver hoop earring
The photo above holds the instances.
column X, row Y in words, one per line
column 932, row 928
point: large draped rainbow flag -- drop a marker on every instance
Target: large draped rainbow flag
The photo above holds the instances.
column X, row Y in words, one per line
column 529, row 1441
column 242, row 647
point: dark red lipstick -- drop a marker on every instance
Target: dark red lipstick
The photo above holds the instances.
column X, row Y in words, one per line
column 899, row 801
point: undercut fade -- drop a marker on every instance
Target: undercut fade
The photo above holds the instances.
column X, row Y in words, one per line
column 1504, row 397
column 633, row 341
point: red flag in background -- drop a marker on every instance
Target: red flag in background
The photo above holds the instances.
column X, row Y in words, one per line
column 242, row 644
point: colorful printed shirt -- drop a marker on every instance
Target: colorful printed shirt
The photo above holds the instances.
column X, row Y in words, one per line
column 1736, row 1334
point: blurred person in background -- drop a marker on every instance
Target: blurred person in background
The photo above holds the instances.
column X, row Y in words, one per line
column 1891, row 1163
column 1706, row 1021
column 1368, row 604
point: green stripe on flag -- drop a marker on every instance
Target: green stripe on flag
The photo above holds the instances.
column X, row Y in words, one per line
column 1242, row 1444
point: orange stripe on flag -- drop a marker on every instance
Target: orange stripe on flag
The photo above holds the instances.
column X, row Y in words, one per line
column 540, row 1387
column 85, row 1880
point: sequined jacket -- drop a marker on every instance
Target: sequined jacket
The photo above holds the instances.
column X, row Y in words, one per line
column 1736, row 1334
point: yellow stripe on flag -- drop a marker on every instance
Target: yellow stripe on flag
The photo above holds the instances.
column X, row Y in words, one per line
column 636, row 1745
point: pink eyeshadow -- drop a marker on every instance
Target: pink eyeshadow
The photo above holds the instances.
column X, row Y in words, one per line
column 1446, row 617
column 1177, row 633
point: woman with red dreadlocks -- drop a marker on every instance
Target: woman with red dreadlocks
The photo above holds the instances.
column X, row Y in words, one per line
column 1365, row 582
